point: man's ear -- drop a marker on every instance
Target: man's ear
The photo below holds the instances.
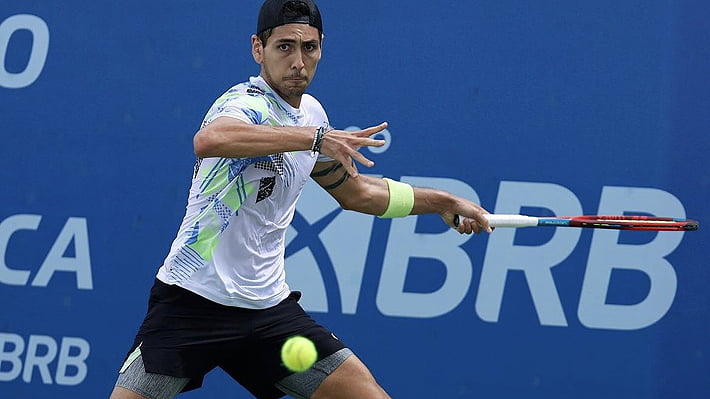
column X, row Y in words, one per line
column 257, row 50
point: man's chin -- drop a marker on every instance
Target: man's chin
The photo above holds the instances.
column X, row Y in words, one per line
column 295, row 90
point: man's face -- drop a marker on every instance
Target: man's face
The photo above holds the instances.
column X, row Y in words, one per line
column 289, row 59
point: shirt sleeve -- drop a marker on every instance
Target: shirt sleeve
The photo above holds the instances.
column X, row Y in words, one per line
column 247, row 108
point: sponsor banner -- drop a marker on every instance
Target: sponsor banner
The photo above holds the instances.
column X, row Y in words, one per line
column 542, row 109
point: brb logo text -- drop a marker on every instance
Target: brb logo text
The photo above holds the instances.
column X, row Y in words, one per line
column 337, row 253
column 40, row 351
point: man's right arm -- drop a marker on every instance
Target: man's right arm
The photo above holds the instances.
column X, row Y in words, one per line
column 228, row 137
column 232, row 138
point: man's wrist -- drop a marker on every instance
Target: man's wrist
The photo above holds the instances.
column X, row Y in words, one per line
column 318, row 139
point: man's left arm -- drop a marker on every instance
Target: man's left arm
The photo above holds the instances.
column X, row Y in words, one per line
column 389, row 198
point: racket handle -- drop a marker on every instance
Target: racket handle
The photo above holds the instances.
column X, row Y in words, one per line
column 505, row 220
column 511, row 220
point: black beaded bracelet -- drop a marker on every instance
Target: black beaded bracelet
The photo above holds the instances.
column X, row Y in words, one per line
column 318, row 139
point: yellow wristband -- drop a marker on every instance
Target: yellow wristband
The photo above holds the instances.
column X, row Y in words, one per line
column 401, row 199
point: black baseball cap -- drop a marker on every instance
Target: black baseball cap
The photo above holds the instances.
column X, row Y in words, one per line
column 275, row 13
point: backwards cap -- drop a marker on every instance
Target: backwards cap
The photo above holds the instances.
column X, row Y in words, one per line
column 275, row 13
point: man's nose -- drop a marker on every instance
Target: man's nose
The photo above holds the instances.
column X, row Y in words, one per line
column 297, row 62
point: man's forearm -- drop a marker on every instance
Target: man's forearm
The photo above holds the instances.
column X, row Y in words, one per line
column 429, row 200
column 230, row 138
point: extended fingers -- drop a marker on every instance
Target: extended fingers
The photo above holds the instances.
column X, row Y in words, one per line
column 350, row 166
column 371, row 130
column 344, row 146
column 362, row 159
column 358, row 142
column 375, row 129
column 355, row 140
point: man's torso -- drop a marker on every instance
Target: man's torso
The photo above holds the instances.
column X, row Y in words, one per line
column 230, row 246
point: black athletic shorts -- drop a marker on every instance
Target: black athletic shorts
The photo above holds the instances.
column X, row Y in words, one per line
column 187, row 335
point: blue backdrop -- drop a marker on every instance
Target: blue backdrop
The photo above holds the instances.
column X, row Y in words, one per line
column 535, row 107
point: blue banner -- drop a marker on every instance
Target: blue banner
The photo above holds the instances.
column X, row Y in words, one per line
column 542, row 108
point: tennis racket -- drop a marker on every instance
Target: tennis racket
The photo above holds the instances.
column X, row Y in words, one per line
column 616, row 222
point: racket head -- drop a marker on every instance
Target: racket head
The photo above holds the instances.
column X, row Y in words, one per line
column 613, row 222
column 624, row 222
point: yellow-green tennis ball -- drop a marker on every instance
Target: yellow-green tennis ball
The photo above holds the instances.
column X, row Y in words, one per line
column 298, row 354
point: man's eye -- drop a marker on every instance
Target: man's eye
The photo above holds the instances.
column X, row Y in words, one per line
column 284, row 47
column 309, row 47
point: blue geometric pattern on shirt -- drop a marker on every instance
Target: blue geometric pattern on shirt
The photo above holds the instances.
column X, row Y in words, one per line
column 237, row 166
column 185, row 263
column 194, row 232
column 212, row 174
column 223, row 211
column 291, row 116
column 254, row 116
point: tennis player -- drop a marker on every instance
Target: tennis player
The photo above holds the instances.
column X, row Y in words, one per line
column 220, row 298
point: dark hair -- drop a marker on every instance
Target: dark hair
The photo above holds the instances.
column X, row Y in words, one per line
column 265, row 35
column 291, row 10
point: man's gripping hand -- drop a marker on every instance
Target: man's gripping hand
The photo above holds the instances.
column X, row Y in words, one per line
column 472, row 220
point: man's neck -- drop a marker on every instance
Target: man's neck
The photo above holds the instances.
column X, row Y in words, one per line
column 295, row 102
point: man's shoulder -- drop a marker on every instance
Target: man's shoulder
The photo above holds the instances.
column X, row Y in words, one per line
column 246, row 94
column 242, row 89
column 243, row 101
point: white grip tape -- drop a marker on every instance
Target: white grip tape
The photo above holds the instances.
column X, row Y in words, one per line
column 511, row 220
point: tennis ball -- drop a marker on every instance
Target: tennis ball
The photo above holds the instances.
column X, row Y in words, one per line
column 298, row 354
